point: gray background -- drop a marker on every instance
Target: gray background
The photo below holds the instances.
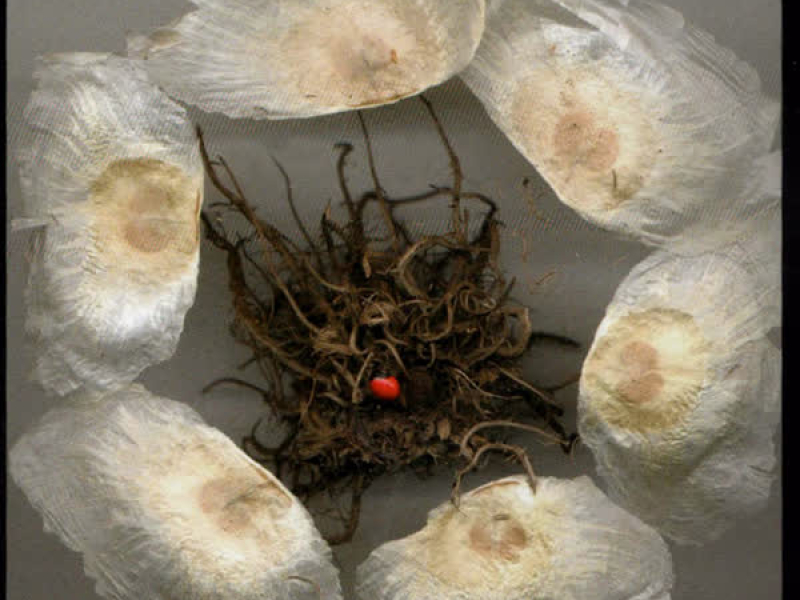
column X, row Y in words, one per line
column 588, row 265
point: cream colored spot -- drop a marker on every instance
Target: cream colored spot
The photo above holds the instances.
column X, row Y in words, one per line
column 144, row 216
column 230, row 512
column 232, row 502
column 592, row 139
column 501, row 537
column 647, row 371
column 360, row 57
column 578, row 140
column 499, row 541
column 352, row 57
column 644, row 381
column 222, row 514
column 145, row 228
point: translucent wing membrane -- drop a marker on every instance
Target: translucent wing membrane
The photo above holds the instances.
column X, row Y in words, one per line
column 109, row 167
column 300, row 58
column 164, row 507
column 566, row 540
column 645, row 126
column 679, row 394
column 758, row 251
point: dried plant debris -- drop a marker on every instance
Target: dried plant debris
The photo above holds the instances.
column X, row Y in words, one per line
column 505, row 540
column 113, row 182
column 643, row 125
column 680, row 394
column 299, row 58
column 341, row 316
column 163, row 506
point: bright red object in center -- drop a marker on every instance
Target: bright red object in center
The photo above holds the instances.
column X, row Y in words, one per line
column 385, row 388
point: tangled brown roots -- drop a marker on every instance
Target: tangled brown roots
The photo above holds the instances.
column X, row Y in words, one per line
column 434, row 312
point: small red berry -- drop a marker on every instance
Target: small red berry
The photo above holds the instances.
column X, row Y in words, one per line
column 385, row 388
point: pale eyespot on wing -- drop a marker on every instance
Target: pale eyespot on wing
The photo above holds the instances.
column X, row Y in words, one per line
column 117, row 185
column 505, row 541
column 181, row 507
column 679, row 392
column 639, row 121
column 292, row 58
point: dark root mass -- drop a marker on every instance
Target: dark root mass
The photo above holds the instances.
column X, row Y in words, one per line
column 329, row 315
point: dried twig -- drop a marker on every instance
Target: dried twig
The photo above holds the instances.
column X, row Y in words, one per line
column 434, row 312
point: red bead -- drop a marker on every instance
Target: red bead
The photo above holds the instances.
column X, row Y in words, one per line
column 385, row 388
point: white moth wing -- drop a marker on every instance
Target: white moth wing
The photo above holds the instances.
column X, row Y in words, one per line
column 273, row 59
column 110, row 168
column 657, row 139
column 678, row 394
column 566, row 540
column 163, row 506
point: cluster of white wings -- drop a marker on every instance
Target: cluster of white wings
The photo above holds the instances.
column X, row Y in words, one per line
column 639, row 121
